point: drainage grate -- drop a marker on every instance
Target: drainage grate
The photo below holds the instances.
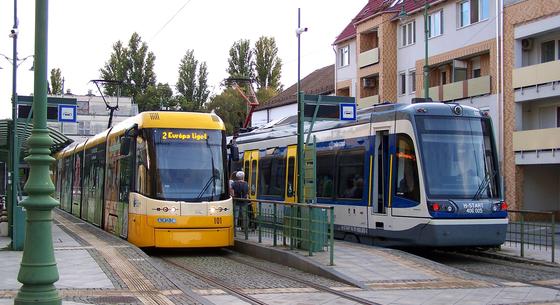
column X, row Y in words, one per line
column 114, row 300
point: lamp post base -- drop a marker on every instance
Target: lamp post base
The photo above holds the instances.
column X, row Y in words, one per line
column 44, row 295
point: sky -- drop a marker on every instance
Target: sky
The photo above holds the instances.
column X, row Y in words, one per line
column 81, row 35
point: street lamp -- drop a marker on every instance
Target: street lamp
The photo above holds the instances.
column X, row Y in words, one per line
column 38, row 271
column 426, row 68
column 300, row 143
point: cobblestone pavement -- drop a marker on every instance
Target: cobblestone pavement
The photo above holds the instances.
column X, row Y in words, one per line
column 221, row 265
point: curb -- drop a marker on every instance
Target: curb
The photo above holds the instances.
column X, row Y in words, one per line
column 290, row 259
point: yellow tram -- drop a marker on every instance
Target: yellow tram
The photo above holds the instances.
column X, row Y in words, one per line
column 157, row 179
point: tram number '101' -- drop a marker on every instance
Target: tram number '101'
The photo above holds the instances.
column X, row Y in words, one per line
column 218, row 220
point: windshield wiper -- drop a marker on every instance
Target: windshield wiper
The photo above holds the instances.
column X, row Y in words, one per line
column 212, row 177
column 484, row 184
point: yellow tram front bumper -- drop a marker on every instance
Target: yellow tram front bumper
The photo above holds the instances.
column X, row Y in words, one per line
column 182, row 232
column 187, row 238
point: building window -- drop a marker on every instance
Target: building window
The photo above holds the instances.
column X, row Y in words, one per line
column 402, row 83
column 408, row 32
column 472, row 11
column 443, row 79
column 547, row 51
column 344, row 56
column 476, row 72
column 435, row 24
column 412, row 80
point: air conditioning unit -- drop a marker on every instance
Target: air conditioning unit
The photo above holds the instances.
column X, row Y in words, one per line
column 368, row 82
column 527, row 44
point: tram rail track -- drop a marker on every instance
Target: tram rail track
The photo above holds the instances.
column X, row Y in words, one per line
column 216, row 282
column 246, row 297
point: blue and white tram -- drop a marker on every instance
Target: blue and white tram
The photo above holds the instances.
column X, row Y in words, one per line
column 423, row 174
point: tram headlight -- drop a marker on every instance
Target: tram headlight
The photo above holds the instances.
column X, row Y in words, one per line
column 212, row 210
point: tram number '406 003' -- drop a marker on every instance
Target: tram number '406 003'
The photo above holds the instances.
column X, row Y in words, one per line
column 473, row 208
column 218, row 220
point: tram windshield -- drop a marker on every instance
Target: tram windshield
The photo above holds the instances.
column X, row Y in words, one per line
column 458, row 157
column 189, row 164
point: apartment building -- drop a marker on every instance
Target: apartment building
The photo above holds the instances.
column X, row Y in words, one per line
column 380, row 54
column 532, row 103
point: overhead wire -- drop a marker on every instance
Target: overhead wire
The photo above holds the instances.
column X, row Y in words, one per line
column 170, row 19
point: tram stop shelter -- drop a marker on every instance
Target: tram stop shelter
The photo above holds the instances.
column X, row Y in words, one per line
column 16, row 215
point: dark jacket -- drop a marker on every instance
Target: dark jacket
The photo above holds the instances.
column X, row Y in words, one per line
column 240, row 188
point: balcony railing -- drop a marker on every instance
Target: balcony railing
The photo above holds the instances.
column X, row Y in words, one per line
column 536, row 74
column 538, row 139
column 462, row 89
column 369, row 101
column 368, row 58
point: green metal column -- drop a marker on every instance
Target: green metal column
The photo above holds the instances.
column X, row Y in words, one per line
column 38, row 271
column 300, row 143
column 17, row 214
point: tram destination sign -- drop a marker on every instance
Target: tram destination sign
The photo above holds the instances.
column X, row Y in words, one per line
column 328, row 107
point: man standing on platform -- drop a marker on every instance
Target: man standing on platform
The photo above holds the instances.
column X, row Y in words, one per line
column 240, row 190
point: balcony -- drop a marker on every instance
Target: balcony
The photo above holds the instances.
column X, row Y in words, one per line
column 369, row 101
column 368, row 58
column 536, row 74
column 537, row 146
column 461, row 89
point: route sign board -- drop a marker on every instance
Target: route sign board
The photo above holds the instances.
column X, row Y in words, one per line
column 67, row 113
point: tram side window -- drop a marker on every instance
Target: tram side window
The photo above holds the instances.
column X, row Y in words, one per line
column 264, row 175
column 254, row 178
column 125, row 168
column 407, row 169
column 278, row 177
column 246, row 170
column 143, row 179
column 291, row 177
column 350, row 174
column 325, row 175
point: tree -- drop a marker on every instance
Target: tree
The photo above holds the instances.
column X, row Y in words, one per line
column 202, row 91
column 240, row 61
column 165, row 96
column 56, row 82
column 192, row 85
column 134, row 67
column 268, row 67
column 264, row 94
column 230, row 107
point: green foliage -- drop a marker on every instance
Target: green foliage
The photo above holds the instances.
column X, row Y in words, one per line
column 240, row 60
column 192, row 86
column 56, row 82
column 268, row 66
column 134, row 67
column 264, row 94
column 230, row 107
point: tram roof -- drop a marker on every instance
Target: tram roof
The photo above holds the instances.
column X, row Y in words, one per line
column 380, row 112
column 153, row 119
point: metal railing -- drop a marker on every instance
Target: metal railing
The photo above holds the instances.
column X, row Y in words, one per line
column 297, row 226
column 532, row 231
